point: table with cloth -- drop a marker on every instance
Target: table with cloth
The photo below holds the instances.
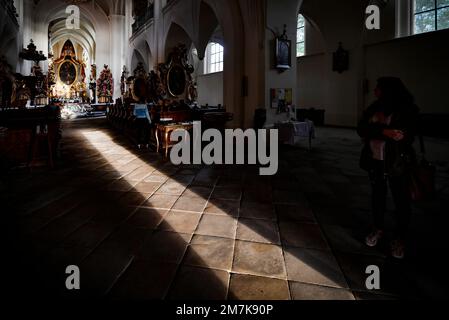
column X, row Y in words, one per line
column 291, row 132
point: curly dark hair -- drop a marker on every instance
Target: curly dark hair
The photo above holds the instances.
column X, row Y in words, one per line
column 394, row 92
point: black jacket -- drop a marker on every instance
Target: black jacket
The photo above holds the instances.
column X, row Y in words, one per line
column 399, row 156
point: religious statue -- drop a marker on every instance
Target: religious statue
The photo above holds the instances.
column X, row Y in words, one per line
column 21, row 93
column 123, row 81
column 36, row 70
column 68, row 50
column 140, row 71
column 92, row 83
column 51, row 74
column 161, row 80
column 192, row 92
column 72, row 92
column 93, row 73
column 83, row 72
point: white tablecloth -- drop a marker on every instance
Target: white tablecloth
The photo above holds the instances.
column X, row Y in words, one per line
column 290, row 132
column 304, row 129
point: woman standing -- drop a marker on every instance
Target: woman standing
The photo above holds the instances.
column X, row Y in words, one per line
column 389, row 127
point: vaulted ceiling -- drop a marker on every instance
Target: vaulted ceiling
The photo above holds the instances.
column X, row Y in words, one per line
column 85, row 35
column 109, row 7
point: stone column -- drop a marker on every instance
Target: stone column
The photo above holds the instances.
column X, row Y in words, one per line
column 26, row 30
column 158, row 29
column 254, row 19
column 118, row 49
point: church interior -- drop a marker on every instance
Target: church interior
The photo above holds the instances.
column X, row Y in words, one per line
column 91, row 92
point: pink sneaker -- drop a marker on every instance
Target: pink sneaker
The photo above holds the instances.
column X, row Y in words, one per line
column 373, row 238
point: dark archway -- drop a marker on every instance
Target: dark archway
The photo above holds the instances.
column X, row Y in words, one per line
column 208, row 26
column 176, row 36
column 136, row 58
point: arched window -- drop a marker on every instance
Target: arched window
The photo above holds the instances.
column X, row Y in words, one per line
column 430, row 15
column 301, row 36
column 214, row 58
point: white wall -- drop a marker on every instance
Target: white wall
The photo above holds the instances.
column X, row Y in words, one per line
column 311, row 81
column 314, row 39
column 210, row 89
column 9, row 38
column 421, row 61
column 280, row 12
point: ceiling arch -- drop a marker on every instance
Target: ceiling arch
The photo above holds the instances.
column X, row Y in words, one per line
column 108, row 7
column 59, row 29
column 85, row 36
column 91, row 14
column 75, row 40
column 176, row 35
column 136, row 58
column 209, row 26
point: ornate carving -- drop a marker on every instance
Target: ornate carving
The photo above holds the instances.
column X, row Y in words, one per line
column 51, row 74
column 123, row 81
column 31, row 54
column 160, row 83
column 105, row 85
column 176, row 75
column 93, row 73
column 140, row 84
column 140, row 72
column 6, row 83
column 21, row 93
column 192, row 92
column 169, row 81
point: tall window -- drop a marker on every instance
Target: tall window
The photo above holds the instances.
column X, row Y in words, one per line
column 214, row 58
column 431, row 15
column 301, row 36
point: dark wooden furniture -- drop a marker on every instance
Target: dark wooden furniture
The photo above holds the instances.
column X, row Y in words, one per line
column 163, row 133
column 169, row 91
column 216, row 120
column 31, row 134
column 434, row 125
column 317, row 116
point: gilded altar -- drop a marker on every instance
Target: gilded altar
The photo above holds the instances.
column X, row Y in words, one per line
column 69, row 75
column 170, row 84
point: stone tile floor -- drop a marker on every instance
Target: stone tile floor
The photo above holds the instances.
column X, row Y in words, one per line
column 140, row 228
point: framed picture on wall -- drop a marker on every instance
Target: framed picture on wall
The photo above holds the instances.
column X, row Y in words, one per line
column 281, row 99
column 283, row 54
column 340, row 61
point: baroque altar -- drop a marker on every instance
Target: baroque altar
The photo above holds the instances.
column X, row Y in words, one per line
column 69, row 75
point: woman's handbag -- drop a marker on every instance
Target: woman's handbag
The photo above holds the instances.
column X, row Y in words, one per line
column 422, row 178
